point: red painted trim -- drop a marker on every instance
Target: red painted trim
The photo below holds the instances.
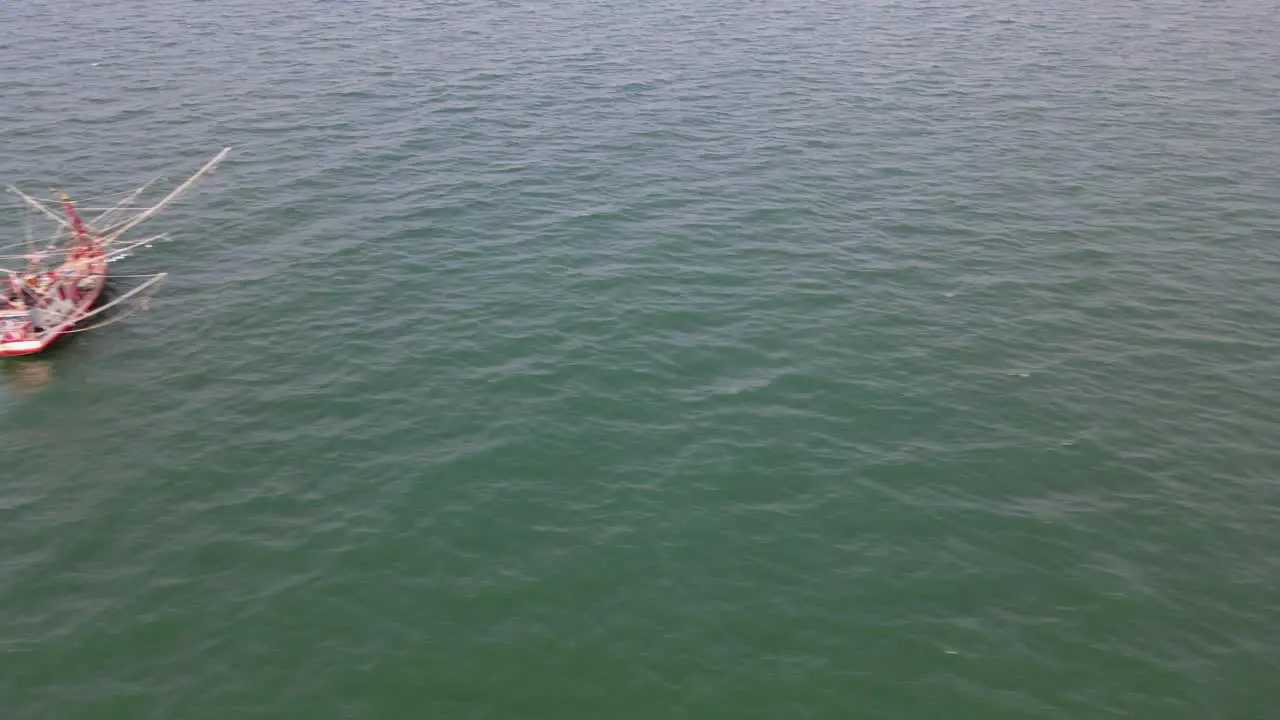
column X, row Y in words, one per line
column 98, row 269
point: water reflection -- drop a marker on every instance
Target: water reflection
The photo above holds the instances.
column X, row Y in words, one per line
column 27, row 376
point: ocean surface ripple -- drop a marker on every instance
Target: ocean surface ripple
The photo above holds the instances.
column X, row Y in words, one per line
column 655, row 360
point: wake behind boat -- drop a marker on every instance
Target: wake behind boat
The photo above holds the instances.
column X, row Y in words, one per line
column 65, row 275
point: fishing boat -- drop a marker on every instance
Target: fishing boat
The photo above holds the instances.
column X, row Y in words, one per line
column 65, row 275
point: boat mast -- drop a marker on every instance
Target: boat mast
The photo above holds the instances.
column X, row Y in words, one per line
column 110, row 236
column 76, row 223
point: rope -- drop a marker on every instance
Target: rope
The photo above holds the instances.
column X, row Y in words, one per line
column 143, row 305
column 99, row 196
column 47, row 241
column 52, row 250
column 105, row 209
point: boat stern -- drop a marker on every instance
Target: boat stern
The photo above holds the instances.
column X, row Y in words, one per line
column 17, row 337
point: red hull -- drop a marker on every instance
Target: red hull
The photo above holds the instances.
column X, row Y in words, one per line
column 90, row 296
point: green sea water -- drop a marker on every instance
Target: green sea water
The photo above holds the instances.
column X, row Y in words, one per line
column 609, row 360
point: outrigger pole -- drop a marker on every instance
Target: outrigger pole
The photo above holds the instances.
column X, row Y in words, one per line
column 152, row 281
column 39, row 206
column 117, row 232
column 124, row 203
